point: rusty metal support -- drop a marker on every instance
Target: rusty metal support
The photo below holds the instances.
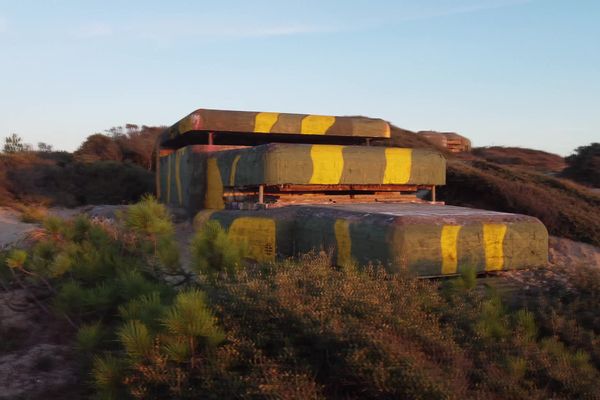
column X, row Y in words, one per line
column 433, row 193
column 261, row 194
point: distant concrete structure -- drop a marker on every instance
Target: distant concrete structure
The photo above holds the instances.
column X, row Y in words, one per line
column 450, row 140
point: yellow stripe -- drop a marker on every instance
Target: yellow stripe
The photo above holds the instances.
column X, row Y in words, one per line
column 327, row 163
column 398, row 164
column 178, row 175
column 258, row 234
column 158, row 175
column 169, row 179
column 448, row 242
column 214, row 186
column 316, row 124
column 344, row 243
column 233, row 170
column 493, row 239
column 264, row 121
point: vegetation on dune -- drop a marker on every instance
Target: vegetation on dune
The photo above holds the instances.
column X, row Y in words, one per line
column 148, row 329
column 568, row 210
column 521, row 157
column 584, row 165
column 111, row 168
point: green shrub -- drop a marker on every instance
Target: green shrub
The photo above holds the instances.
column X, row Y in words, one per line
column 213, row 253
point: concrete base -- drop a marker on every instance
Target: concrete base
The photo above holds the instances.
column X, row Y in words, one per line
column 425, row 239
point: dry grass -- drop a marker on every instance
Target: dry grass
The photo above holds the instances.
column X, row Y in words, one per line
column 536, row 160
column 349, row 335
column 33, row 213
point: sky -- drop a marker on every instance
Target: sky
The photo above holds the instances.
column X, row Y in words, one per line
column 501, row 72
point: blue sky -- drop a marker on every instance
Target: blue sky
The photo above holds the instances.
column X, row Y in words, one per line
column 502, row 72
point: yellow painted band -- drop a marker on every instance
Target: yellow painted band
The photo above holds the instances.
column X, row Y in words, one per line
column 158, row 177
column 398, row 163
column 214, row 186
column 327, row 163
column 344, row 242
column 178, row 175
column 264, row 121
column 257, row 235
column 493, row 239
column 233, row 170
column 316, row 124
column 448, row 242
column 169, row 179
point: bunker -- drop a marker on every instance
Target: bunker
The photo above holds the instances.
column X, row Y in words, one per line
column 286, row 184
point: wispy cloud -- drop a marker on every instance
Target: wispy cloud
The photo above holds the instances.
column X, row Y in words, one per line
column 199, row 28
column 438, row 10
column 220, row 26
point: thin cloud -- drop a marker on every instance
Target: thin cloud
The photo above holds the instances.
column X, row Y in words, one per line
column 456, row 9
column 166, row 30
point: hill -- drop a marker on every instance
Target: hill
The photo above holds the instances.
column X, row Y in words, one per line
column 517, row 180
column 521, row 157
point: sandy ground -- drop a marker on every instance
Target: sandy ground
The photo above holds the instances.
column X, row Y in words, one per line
column 12, row 230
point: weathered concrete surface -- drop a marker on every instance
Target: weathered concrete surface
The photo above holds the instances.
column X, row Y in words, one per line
column 223, row 121
column 428, row 240
column 196, row 180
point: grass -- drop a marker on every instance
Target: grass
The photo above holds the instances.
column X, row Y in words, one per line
column 32, row 213
column 523, row 158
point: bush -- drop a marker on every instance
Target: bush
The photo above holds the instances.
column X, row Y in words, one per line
column 584, row 165
column 302, row 329
column 214, row 253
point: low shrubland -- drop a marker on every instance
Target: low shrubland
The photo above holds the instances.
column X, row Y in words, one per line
column 147, row 328
column 33, row 179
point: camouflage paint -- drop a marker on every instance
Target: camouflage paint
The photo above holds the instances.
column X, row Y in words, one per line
column 257, row 235
column 204, row 120
column 426, row 245
column 448, row 244
column 493, row 241
column 197, row 180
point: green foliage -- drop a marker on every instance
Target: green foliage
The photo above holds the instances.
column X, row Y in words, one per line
column 108, row 374
column 465, row 282
column 190, row 317
column 213, row 252
column 303, row 329
column 32, row 213
column 16, row 259
column 14, row 144
column 136, row 339
column 584, row 165
column 149, row 309
column 151, row 221
column 89, row 337
column 493, row 323
column 148, row 217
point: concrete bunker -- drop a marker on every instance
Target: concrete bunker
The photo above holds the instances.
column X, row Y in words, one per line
column 289, row 183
